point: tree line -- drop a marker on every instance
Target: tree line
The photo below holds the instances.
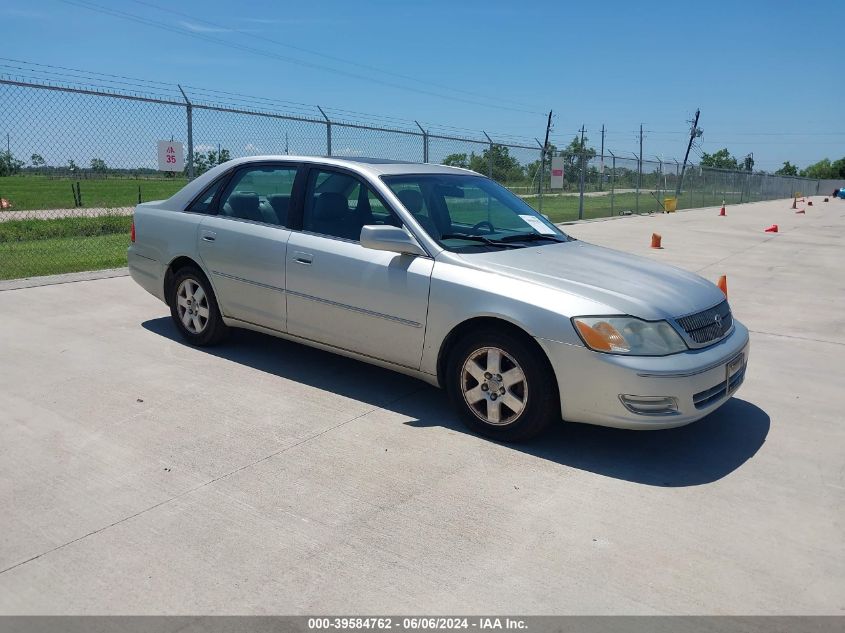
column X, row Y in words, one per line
column 10, row 165
column 505, row 167
column 825, row 169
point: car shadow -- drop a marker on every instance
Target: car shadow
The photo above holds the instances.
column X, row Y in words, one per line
column 692, row 455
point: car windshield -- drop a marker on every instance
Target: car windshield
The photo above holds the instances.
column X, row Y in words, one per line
column 469, row 212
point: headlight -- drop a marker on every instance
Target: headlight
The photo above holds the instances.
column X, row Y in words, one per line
column 628, row 335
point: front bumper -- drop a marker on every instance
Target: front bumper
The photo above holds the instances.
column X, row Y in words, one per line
column 591, row 383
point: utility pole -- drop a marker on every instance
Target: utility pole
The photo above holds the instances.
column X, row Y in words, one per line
column 543, row 160
column 693, row 134
column 581, row 178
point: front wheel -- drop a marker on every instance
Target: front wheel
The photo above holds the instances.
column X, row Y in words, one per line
column 503, row 385
column 194, row 309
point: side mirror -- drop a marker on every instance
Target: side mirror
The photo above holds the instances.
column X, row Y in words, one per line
column 389, row 238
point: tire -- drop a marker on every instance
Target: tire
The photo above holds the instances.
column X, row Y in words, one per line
column 527, row 402
column 193, row 307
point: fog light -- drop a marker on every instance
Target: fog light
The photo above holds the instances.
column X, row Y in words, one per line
column 650, row 405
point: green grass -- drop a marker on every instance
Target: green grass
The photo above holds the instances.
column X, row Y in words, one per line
column 28, row 230
column 42, row 192
column 62, row 255
column 565, row 208
column 47, row 247
column 44, row 247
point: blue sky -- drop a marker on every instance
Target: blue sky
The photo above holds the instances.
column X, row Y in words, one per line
column 768, row 76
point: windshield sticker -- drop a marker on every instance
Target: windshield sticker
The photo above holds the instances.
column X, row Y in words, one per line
column 537, row 224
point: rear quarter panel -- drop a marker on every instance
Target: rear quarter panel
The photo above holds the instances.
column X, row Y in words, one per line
column 161, row 235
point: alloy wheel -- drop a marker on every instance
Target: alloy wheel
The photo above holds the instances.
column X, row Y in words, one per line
column 494, row 386
column 192, row 306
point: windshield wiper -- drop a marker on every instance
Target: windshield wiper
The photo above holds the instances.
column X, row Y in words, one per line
column 478, row 238
column 532, row 237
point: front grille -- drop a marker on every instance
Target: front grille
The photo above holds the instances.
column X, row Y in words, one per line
column 709, row 325
column 704, row 399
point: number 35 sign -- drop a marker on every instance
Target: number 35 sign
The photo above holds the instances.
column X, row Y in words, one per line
column 171, row 156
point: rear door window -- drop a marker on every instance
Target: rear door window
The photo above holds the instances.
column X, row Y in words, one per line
column 260, row 194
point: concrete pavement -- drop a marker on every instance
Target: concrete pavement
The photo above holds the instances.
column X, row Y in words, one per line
column 139, row 475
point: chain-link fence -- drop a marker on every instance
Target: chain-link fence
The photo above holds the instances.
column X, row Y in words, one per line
column 76, row 160
column 597, row 186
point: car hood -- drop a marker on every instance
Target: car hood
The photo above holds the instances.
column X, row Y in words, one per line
column 627, row 284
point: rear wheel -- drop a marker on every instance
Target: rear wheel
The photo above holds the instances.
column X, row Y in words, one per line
column 193, row 308
column 502, row 385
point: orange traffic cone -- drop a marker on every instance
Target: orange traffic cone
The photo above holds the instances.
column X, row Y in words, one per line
column 722, row 210
column 655, row 240
column 723, row 284
column 772, row 229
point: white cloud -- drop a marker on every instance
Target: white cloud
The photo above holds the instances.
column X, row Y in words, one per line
column 201, row 28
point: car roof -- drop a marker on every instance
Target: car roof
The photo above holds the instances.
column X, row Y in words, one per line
column 372, row 167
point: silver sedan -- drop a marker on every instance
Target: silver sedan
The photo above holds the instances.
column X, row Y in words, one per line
column 442, row 274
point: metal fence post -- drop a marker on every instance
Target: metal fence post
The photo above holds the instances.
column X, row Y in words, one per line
column 677, row 175
column 660, row 185
column 489, row 155
column 425, row 141
column 639, row 177
column 581, row 186
column 328, row 132
column 189, row 108
column 612, row 181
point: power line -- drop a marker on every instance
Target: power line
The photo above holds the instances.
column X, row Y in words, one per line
column 88, row 72
column 89, row 80
column 84, row 4
column 329, row 57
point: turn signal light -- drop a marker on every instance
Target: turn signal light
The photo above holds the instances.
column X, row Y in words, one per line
column 602, row 336
column 132, row 231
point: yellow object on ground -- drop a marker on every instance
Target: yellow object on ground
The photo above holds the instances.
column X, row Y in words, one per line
column 670, row 204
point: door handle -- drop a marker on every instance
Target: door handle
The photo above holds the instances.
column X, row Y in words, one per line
column 208, row 236
column 302, row 258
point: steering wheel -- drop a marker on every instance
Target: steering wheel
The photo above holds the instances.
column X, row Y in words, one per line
column 485, row 223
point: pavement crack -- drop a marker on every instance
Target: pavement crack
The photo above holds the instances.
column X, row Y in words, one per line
column 214, row 480
column 741, row 252
column 798, row 338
